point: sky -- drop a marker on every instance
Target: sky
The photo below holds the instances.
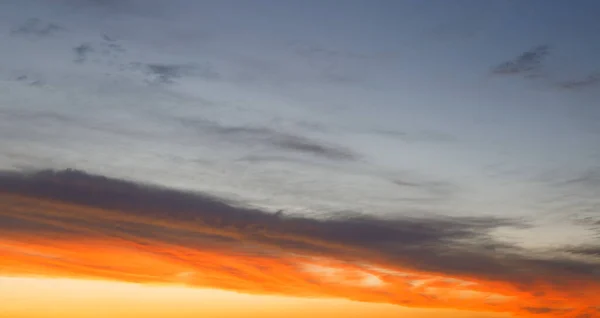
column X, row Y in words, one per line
column 376, row 158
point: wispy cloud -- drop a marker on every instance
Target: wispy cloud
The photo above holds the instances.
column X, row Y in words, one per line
column 273, row 138
column 590, row 80
column 38, row 28
column 71, row 223
column 528, row 63
column 82, row 51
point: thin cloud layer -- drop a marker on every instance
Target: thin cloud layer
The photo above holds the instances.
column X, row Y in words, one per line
column 306, row 108
column 72, row 223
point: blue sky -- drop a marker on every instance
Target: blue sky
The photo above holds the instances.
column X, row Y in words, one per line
column 390, row 108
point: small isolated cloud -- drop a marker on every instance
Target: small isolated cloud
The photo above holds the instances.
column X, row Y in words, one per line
column 38, row 28
column 528, row 63
column 590, row 80
column 593, row 251
column 82, row 51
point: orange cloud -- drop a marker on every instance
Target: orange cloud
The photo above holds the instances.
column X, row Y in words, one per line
column 71, row 224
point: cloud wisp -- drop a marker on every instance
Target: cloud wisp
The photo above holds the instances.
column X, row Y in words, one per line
column 273, row 138
column 70, row 223
column 37, row 27
column 527, row 64
column 590, row 80
column 82, row 51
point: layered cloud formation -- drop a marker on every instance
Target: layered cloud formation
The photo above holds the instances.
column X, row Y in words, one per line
column 439, row 155
column 71, row 223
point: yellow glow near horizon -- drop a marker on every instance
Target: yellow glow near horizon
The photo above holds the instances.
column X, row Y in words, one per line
column 36, row 297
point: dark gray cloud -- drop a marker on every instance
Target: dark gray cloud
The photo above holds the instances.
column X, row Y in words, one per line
column 75, row 187
column 37, row 27
column 82, row 51
column 107, row 51
column 528, row 64
column 593, row 251
column 273, row 138
column 457, row 246
column 165, row 73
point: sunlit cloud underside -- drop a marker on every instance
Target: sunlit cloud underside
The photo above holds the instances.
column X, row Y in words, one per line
column 71, row 224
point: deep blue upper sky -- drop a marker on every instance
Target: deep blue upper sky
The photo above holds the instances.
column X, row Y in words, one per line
column 318, row 107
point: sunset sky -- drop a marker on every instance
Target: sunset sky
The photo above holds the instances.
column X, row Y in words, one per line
column 333, row 158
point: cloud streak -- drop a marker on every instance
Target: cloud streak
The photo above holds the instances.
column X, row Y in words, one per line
column 37, row 27
column 590, row 80
column 528, row 64
column 273, row 138
column 76, row 224
column 82, row 51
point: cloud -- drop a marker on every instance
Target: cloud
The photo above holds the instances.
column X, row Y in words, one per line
column 590, row 80
column 82, row 51
column 273, row 138
column 73, row 223
column 527, row 64
column 166, row 73
column 29, row 80
column 593, row 251
column 38, row 28
column 433, row 189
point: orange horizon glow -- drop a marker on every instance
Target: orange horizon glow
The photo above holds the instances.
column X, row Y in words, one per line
column 152, row 263
column 35, row 297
